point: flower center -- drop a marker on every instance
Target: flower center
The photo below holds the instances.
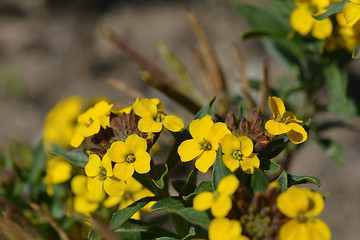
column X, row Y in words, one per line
column 102, row 174
column 130, row 158
column 237, row 154
column 301, row 217
column 159, row 117
column 205, row 145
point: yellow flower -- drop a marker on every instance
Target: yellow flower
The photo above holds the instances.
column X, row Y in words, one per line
column 85, row 202
column 94, row 118
column 206, row 137
column 302, row 20
column 220, row 201
column 225, row 229
column 302, row 206
column 58, row 170
column 130, row 108
column 134, row 191
column 129, row 156
column 284, row 122
column 351, row 12
column 153, row 120
column 101, row 176
column 60, row 122
column 238, row 152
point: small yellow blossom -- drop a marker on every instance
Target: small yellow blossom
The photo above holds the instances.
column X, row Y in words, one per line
column 225, row 229
column 302, row 206
column 130, row 108
column 153, row 120
column 204, row 144
column 220, row 201
column 134, row 191
column 352, row 12
column 129, row 156
column 85, row 202
column 94, row 118
column 302, row 20
column 238, row 152
column 101, row 177
column 58, row 170
column 284, row 122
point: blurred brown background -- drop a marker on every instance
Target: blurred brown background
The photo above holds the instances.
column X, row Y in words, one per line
column 51, row 49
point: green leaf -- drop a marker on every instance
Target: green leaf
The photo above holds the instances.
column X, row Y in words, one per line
column 332, row 149
column 119, row 217
column 269, row 166
column 356, row 52
column 206, row 186
column 76, row 157
column 337, row 84
column 287, row 180
column 206, row 110
column 262, row 19
column 175, row 205
column 255, row 33
column 332, row 9
column 274, row 149
column 157, row 174
column 182, row 187
column 220, row 170
column 190, row 235
column 259, row 181
column 38, row 163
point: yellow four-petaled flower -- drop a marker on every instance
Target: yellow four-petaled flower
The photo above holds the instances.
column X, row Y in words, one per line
column 352, row 12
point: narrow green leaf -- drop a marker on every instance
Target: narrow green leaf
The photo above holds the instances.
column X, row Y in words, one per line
column 287, row 180
column 124, row 214
column 76, row 157
column 182, row 187
column 332, row 149
column 255, row 33
column 259, row 181
column 157, row 174
column 38, row 163
column 283, row 181
column 220, row 170
column 332, row 9
column 356, row 52
column 274, row 149
column 206, row 186
column 206, row 110
column 269, row 166
column 167, row 203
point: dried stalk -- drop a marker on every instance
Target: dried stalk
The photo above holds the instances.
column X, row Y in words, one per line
column 264, row 87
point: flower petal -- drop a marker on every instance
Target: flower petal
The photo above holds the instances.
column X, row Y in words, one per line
column 203, row 201
column 310, row 230
column 142, row 162
column 230, row 162
column 79, row 184
column 92, row 129
column 114, row 188
column 317, row 203
column 100, row 109
column 199, row 128
column 145, row 108
column 148, row 124
column 123, row 170
column 134, row 144
column 205, row 161
column 351, row 12
column 301, row 20
column 248, row 163
column 188, row 150
column 276, row 128
column 297, row 134
column 117, row 152
column 322, row 29
column 223, row 228
column 173, row 123
column 228, row 185
column 216, row 133
column 246, row 145
column 94, row 185
column 229, row 144
column 221, row 206
column 93, row 166
column 291, row 117
column 277, row 106
column 106, row 163
column 293, row 201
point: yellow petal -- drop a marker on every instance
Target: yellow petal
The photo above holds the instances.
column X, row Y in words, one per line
column 92, row 168
column 106, row 163
column 148, row 124
column 246, row 145
column 225, row 229
column 205, row 161
column 230, row 162
column 277, row 106
column 293, row 201
column 134, row 144
column 142, row 162
column 318, row 230
column 114, row 188
column 248, row 163
column 79, row 184
column 100, row 109
column 199, row 128
column 203, row 201
column 221, row 206
column 317, row 203
column 117, row 152
column 228, row 185
column 83, row 206
column 94, row 185
column 173, row 123
column 145, row 108
column 111, row 201
column 276, row 128
column 216, row 133
column 322, row 29
column 123, row 170
column 229, row 144
column 297, row 134
column 351, row 12
column 188, row 150
column 291, row 117
column 301, row 20
column 310, row 230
